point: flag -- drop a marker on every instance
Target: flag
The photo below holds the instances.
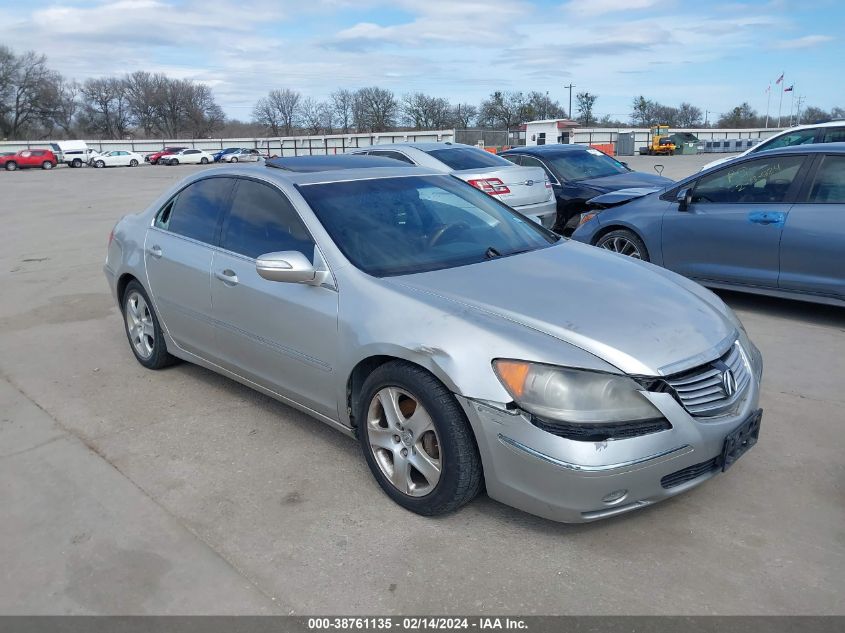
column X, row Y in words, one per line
column 780, row 79
column 789, row 89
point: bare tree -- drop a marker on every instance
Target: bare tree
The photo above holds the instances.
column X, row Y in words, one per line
column 464, row 115
column 376, row 109
column 504, row 109
column 202, row 114
column 543, row 107
column 585, row 102
column 689, row 115
column 105, row 108
column 23, row 81
column 316, row 116
column 267, row 115
column 60, row 104
column 425, row 112
column 642, row 111
column 144, row 92
column 342, row 103
column 287, row 104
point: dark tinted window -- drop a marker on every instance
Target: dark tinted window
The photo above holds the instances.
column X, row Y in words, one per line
column 395, row 226
column 530, row 161
column 829, row 183
column 196, row 210
column 261, row 221
column 765, row 180
column 584, row 164
column 834, row 135
column 467, row 158
column 393, row 155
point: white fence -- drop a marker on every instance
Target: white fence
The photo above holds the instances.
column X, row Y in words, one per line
column 278, row 146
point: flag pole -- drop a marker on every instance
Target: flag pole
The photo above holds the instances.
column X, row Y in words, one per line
column 792, row 104
column 768, row 102
column 780, row 104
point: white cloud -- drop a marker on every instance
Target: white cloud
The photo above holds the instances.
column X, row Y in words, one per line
column 808, row 41
column 594, row 8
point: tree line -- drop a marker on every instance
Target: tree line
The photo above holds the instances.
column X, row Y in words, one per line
column 38, row 102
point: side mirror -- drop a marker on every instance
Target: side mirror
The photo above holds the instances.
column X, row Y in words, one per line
column 287, row 266
column 684, row 198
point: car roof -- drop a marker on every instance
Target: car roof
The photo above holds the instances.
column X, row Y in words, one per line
column 553, row 148
column 424, row 146
column 811, row 148
column 332, row 162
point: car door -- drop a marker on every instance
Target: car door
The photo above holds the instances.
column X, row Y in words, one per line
column 832, row 135
column 178, row 253
column 282, row 336
column 731, row 230
column 812, row 251
column 191, row 156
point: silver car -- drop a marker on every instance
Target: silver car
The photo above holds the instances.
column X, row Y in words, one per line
column 526, row 189
column 465, row 346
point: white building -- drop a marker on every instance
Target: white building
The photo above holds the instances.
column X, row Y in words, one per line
column 549, row 131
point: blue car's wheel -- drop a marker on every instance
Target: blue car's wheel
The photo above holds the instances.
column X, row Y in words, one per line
column 624, row 242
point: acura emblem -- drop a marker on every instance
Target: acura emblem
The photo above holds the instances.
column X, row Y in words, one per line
column 728, row 382
column 529, row 183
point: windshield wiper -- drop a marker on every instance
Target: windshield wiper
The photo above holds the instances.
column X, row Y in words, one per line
column 491, row 252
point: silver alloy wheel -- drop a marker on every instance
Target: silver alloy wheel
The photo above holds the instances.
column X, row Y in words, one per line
column 139, row 324
column 404, row 441
column 623, row 246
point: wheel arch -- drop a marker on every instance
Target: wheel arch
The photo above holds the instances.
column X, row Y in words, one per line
column 124, row 281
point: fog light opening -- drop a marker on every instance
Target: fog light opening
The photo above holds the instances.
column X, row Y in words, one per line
column 614, row 497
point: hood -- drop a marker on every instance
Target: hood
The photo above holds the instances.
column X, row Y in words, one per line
column 622, row 195
column 632, row 179
column 618, row 309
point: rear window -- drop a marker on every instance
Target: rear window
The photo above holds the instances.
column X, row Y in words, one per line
column 467, row 158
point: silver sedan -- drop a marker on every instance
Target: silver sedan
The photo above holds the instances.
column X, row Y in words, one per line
column 465, row 346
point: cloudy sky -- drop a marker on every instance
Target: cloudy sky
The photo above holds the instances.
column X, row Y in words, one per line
column 712, row 53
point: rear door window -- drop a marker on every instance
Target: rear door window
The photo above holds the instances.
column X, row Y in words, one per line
column 833, row 135
column 799, row 137
column 829, row 182
column 262, row 220
column 196, row 211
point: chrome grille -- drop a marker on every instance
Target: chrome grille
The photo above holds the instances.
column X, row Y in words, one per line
column 703, row 391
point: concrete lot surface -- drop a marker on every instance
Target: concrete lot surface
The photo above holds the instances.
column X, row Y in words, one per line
column 127, row 491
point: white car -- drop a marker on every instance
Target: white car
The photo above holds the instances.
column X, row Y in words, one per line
column 242, row 155
column 524, row 189
column 830, row 132
column 116, row 158
column 187, row 157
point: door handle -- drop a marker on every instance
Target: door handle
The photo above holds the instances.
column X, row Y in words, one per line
column 155, row 251
column 767, row 217
column 227, row 276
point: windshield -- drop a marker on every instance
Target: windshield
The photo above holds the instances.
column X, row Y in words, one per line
column 398, row 226
column 591, row 163
column 468, row 158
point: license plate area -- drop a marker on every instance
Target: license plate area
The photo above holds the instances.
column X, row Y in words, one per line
column 741, row 439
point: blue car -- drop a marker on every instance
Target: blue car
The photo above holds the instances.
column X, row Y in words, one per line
column 218, row 155
column 770, row 223
column 578, row 173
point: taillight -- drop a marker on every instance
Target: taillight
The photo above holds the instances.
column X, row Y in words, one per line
column 491, row 186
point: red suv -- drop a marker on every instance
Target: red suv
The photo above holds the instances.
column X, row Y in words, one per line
column 43, row 158
column 153, row 159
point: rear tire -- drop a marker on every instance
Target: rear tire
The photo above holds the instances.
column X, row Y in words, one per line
column 46, row 165
column 143, row 329
column 624, row 242
column 133, row 163
column 76, row 163
column 407, row 418
column 11, row 166
column 203, row 161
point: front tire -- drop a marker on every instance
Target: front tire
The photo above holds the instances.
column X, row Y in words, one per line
column 11, row 166
column 143, row 329
column 173, row 161
column 417, row 440
column 99, row 164
column 234, row 159
column 624, row 242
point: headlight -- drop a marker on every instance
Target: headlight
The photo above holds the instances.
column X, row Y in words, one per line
column 574, row 395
